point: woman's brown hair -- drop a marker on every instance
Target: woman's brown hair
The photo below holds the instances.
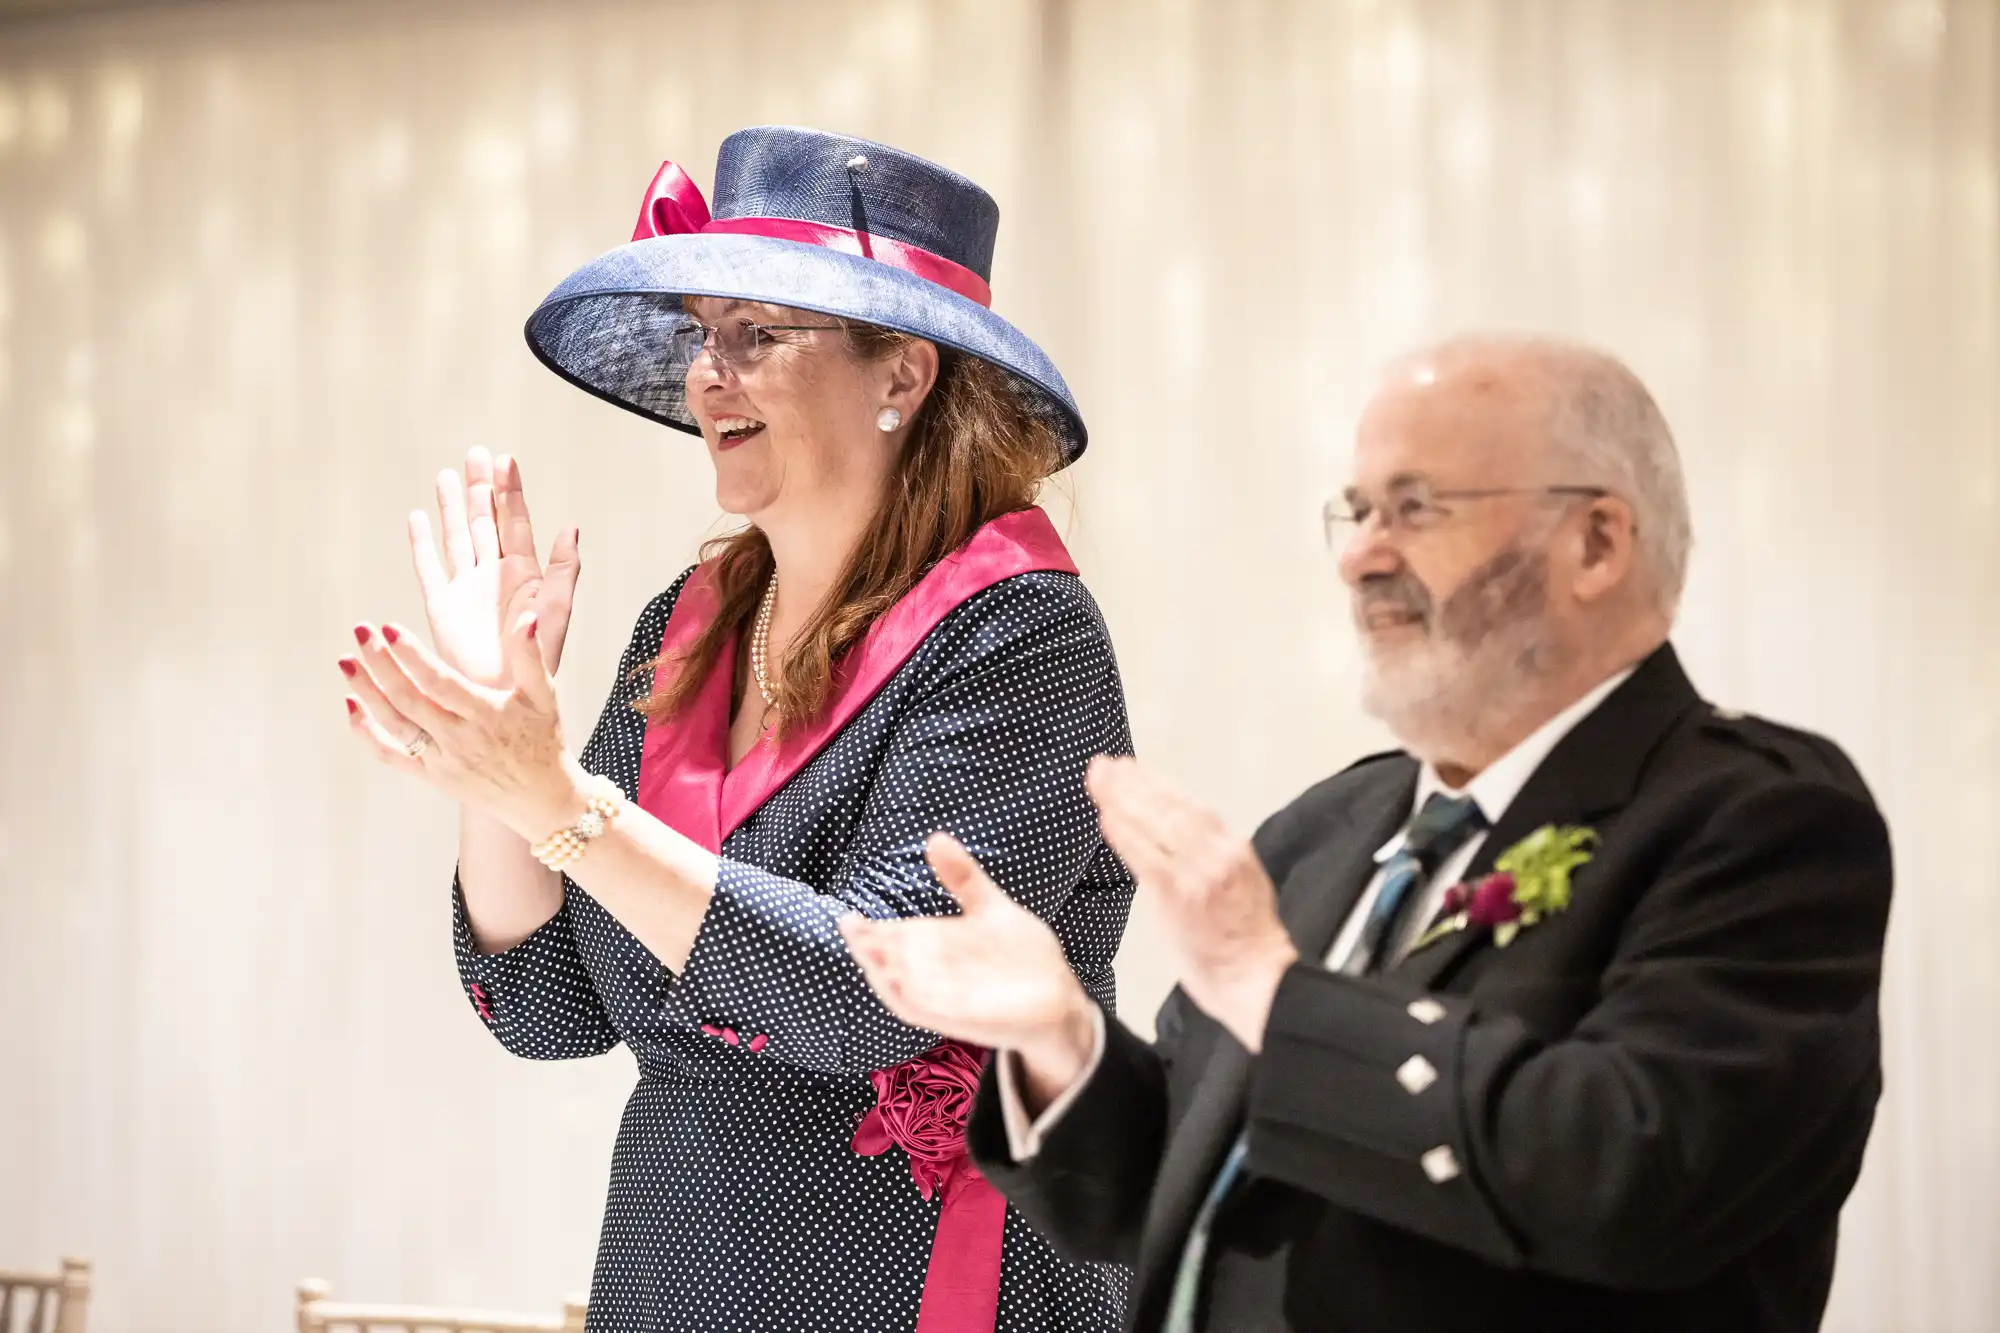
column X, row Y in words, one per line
column 976, row 451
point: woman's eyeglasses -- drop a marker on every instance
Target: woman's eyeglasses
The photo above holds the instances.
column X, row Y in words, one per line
column 1418, row 508
column 737, row 341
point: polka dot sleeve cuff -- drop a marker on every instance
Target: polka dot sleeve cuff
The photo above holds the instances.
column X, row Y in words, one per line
column 537, row 997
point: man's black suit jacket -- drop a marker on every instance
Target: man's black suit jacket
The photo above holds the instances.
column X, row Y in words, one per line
column 1656, row 1100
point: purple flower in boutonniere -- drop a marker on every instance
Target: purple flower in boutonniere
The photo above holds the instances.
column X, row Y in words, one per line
column 1492, row 901
column 1530, row 880
column 1485, row 902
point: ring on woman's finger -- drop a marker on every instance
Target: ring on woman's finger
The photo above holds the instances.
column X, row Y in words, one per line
column 417, row 744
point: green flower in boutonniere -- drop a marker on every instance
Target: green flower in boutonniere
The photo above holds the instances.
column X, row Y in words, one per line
column 1530, row 880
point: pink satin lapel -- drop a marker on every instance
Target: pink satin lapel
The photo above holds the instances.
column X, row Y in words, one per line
column 1016, row 543
column 681, row 767
column 682, row 780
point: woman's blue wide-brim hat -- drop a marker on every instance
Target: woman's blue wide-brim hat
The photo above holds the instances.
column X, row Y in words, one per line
column 814, row 221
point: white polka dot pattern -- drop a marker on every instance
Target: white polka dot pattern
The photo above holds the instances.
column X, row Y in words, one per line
column 736, row 1202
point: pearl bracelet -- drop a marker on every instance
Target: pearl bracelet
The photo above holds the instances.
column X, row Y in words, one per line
column 603, row 800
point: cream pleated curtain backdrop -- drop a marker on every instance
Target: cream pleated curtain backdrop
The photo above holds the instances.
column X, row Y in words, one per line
column 263, row 270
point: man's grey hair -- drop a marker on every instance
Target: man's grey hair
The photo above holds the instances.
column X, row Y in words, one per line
column 1604, row 430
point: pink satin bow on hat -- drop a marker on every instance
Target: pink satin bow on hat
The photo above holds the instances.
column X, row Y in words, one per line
column 675, row 206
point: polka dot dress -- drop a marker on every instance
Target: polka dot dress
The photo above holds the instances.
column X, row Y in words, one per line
column 736, row 1201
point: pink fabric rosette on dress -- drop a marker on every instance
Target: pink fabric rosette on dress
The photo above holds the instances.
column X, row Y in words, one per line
column 922, row 1107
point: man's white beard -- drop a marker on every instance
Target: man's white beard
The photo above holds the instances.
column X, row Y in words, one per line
column 1488, row 648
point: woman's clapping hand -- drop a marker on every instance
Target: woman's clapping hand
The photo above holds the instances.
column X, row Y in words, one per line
column 489, row 575
column 476, row 716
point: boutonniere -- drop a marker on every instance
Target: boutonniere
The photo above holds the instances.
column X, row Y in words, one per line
column 1530, row 880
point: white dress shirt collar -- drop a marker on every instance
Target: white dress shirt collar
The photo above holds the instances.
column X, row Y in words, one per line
column 1495, row 786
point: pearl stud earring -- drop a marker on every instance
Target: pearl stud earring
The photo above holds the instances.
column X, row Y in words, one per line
column 888, row 419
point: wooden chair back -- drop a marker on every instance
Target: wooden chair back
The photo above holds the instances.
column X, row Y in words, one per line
column 320, row 1313
column 32, row 1303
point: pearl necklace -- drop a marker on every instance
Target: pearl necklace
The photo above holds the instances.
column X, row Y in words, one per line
column 760, row 640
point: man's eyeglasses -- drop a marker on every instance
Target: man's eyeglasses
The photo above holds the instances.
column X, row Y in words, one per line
column 736, row 341
column 1418, row 508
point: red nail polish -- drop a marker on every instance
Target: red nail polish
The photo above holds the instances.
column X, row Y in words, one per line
column 534, row 623
column 353, row 707
column 389, row 633
column 350, row 667
column 361, row 634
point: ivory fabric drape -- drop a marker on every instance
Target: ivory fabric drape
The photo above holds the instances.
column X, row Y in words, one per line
column 263, row 269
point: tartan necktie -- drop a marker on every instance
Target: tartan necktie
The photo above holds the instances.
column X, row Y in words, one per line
column 1443, row 826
